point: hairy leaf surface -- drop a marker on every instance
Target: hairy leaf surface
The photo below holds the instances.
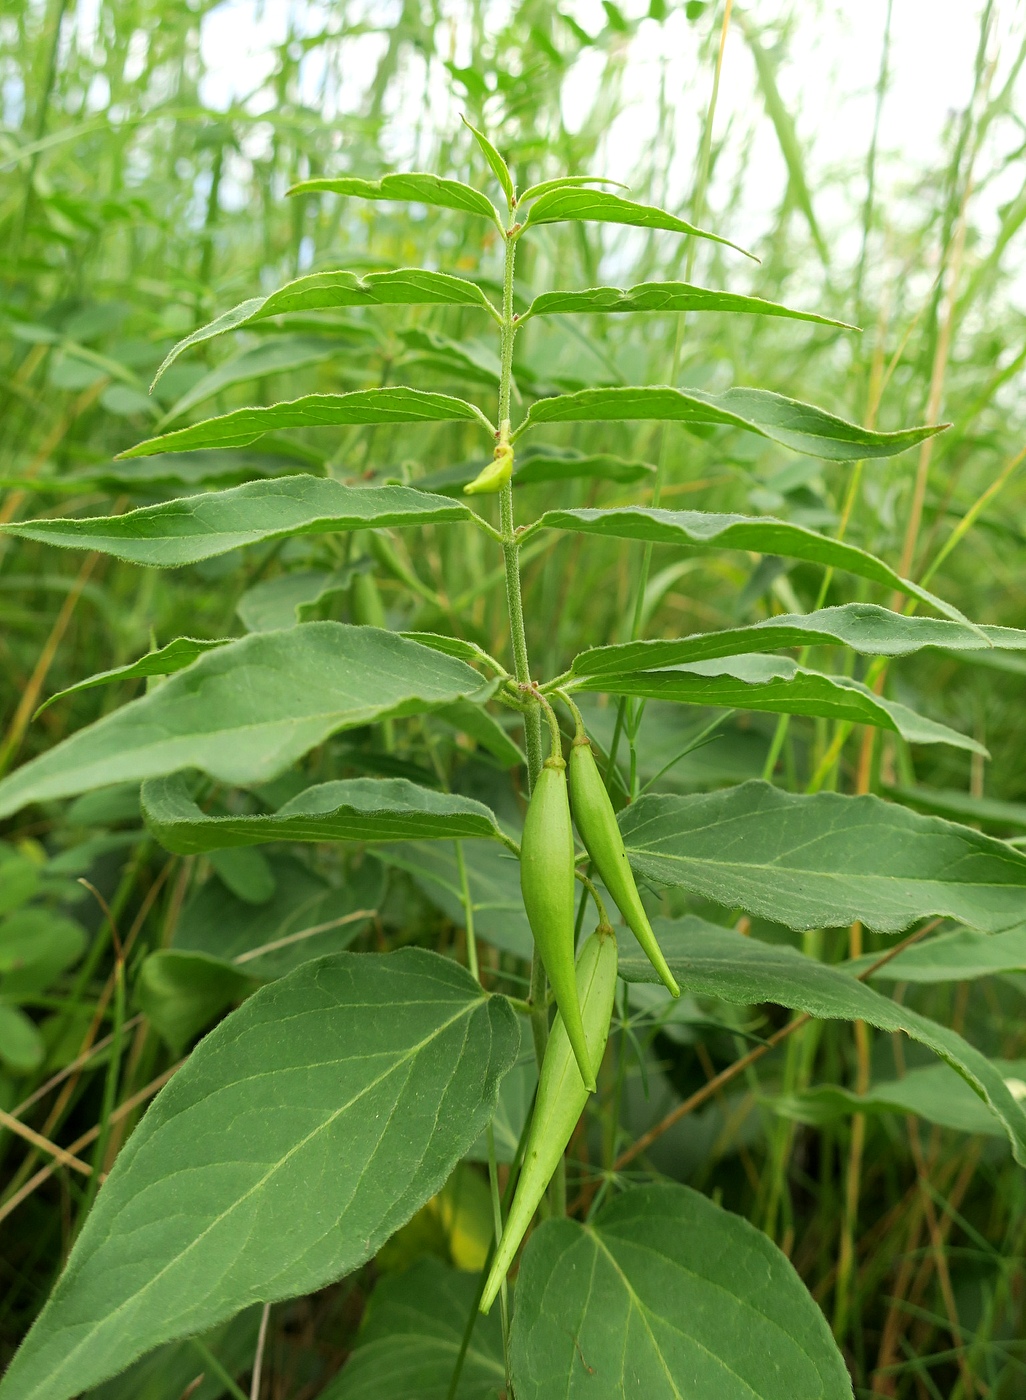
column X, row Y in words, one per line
column 302, row 1151
column 800, row 426
column 665, row 1294
column 352, row 809
column 247, row 711
column 244, row 425
column 825, row 860
column 199, row 527
column 713, row 961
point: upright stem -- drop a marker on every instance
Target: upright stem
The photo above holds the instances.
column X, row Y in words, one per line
column 514, row 601
column 510, row 544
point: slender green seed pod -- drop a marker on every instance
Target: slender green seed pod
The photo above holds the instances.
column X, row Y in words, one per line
column 596, row 821
column 547, row 884
column 561, row 1098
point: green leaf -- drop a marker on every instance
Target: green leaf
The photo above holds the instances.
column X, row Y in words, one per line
column 933, row 1092
column 959, row 956
column 540, row 464
column 245, row 872
column 277, row 603
column 320, row 291
column 665, row 297
column 165, row 661
column 516, row 1096
column 22, row 1048
column 182, row 993
column 305, row 918
column 824, row 860
column 36, row 946
column 353, row 809
column 244, row 425
column 498, row 166
column 249, row 710
column 493, row 876
column 565, row 204
column 800, row 426
column 567, row 182
column 202, row 526
column 761, row 534
column 411, row 1336
column 988, row 812
column 303, row 1152
column 713, row 961
column 781, row 686
column 165, row 1374
column 664, row 1295
column 864, row 627
column 477, row 724
column 279, row 355
column 415, row 187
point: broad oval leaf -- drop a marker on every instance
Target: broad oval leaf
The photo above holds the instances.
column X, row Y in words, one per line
column 411, row 1336
column 247, row 711
column 326, row 291
column 663, row 1295
column 165, row 661
column 713, row 961
column 665, row 297
column 353, row 809
column 244, row 425
column 209, row 523
column 864, row 627
column 578, row 204
column 779, row 685
column 762, row 534
column 799, row 426
column 303, row 1153
column 825, row 860
column 414, row 187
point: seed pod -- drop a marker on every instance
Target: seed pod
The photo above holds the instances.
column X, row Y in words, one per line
column 494, row 476
column 561, row 1098
column 547, row 884
column 596, row 821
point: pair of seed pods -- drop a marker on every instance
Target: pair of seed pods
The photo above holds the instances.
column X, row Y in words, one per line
column 584, row 993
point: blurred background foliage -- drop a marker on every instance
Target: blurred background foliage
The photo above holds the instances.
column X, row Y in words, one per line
column 874, row 163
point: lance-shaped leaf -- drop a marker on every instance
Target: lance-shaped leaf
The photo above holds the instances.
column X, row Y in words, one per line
column 800, row 426
column 761, row 534
column 303, row 1152
column 864, row 627
column 935, row 1093
column 165, row 661
column 781, row 686
column 665, row 297
column 244, row 425
column 567, row 182
column 988, row 812
column 354, row 809
column 498, row 165
column 213, row 522
column 563, row 205
column 825, row 860
column 962, row 955
column 415, row 188
column 328, row 291
column 539, row 464
column 278, row 355
column 666, row 1295
column 713, row 961
column 246, row 712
